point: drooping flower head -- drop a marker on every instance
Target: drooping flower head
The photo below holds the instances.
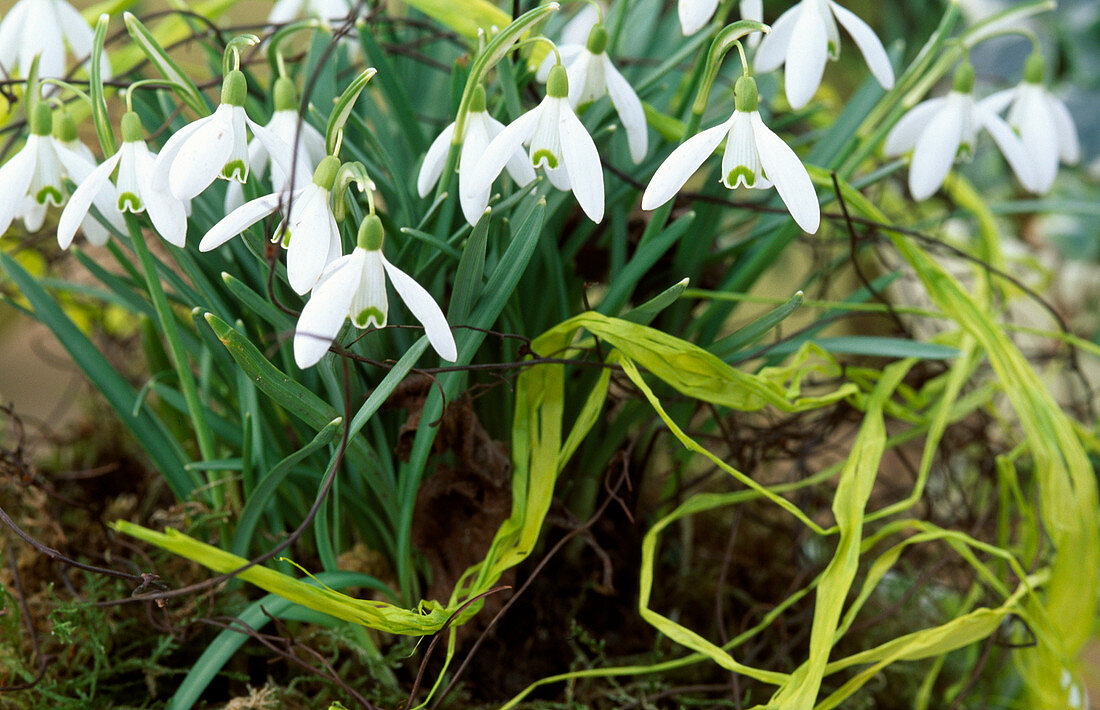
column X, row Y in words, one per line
column 309, row 231
column 135, row 192
column 354, row 287
column 43, row 28
column 755, row 157
column 1042, row 121
column 216, row 146
column 942, row 130
column 806, row 36
column 480, row 130
column 557, row 142
column 592, row 76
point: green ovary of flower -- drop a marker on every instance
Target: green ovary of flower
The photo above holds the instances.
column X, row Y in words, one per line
column 544, row 156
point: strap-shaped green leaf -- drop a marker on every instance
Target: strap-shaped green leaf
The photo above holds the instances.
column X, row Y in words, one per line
column 168, row 68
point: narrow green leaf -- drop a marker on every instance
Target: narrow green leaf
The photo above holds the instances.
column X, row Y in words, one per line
column 752, row 332
column 95, row 87
column 343, row 108
column 471, row 271
column 183, row 86
column 645, row 313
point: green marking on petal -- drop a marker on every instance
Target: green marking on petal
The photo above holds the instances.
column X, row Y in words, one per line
column 235, row 170
column 741, row 172
column 129, row 202
column 543, row 155
column 285, row 237
column 965, row 153
column 367, row 314
column 49, row 193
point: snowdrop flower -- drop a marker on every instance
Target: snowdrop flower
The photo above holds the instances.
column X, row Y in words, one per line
column 286, row 10
column 31, row 180
column 215, row 146
column 135, row 192
column 1042, row 121
column 558, row 142
column 592, row 75
column 695, row 14
column 310, row 148
column 755, row 157
column 44, row 27
column 309, row 232
column 941, row 130
column 805, row 36
column 354, row 286
column 480, row 130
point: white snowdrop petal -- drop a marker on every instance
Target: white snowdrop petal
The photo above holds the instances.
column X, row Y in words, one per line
column 935, row 150
column 81, row 200
column 582, row 161
column 741, row 158
column 434, row 160
column 903, row 136
column 1039, row 135
column 326, row 310
column 310, row 237
column 241, row 219
column 999, row 101
column 172, row 148
column 284, row 11
column 478, row 137
column 369, row 304
column 282, row 154
column 15, row 180
column 424, row 308
column 772, row 51
column 577, row 29
column 11, row 25
column 497, row 154
column 199, row 161
column 1018, row 156
column 77, row 32
column 168, row 215
column 1069, row 145
column 695, row 14
column 869, row 45
column 806, row 56
column 681, row 164
column 629, row 108
column 518, row 166
column 783, row 168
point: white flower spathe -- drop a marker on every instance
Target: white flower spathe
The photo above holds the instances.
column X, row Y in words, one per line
column 695, row 14
column 310, row 231
column 354, row 286
column 806, row 36
column 755, row 157
column 940, row 130
column 43, row 28
column 287, row 10
column 309, row 152
column 134, row 192
column 481, row 129
column 592, row 75
column 1045, row 127
column 558, row 142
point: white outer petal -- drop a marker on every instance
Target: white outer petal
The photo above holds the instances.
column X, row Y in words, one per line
column 311, row 228
column 999, row 101
column 935, row 149
column 11, row 26
column 695, row 14
column 497, row 154
column 681, row 164
column 424, row 308
column 752, row 10
column 284, row 11
column 869, row 44
column 81, row 200
column 1069, row 146
column 281, row 152
column 783, row 168
column 78, row 33
column 576, row 30
column 631, row 113
column 568, row 53
column 327, row 309
column 904, row 135
column 773, row 48
column 168, row 215
column 203, row 154
column 806, row 57
column 519, row 165
column 434, row 160
column 479, row 134
column 1014, row 151
column 172, row 148
column 1038, row 132
column 241, row 219
column 15, row 180
column 582, row 161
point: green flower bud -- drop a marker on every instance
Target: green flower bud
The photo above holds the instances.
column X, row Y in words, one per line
column 371, row 233
column 132, row 130
column 597, row 40
column 234, row 88
column 557, row 84
column 745, row 97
